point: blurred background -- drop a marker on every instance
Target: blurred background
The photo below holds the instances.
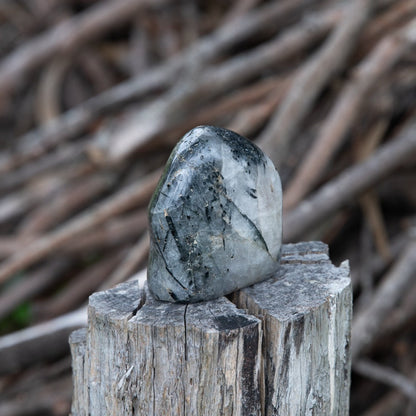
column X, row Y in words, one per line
column 94, row 95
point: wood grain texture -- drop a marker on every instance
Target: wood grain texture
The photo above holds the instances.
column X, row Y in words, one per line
column 306, row 313
column 78, row 343
column 280, row 347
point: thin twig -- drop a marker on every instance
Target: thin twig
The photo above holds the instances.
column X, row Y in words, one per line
column 31, row 345
column 252, row 118
column 403, row 317
column 369, row 202
column 48, row 91
column 389, row 404
column 231, row 103
column 18, row 203
column 40, row 398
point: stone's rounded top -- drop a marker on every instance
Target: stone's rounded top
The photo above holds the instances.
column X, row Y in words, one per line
column 215, row 218
column 200, row 147
column 204, row 139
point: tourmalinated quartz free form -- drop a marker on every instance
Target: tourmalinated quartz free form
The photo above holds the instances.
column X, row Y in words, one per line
column 215, row 218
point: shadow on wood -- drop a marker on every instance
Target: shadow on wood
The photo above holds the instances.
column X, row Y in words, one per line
column 280, row 347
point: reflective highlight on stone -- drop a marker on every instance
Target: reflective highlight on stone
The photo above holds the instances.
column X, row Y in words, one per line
column 215, row 218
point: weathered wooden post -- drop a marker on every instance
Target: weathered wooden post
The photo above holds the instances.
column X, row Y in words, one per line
column 279, row 347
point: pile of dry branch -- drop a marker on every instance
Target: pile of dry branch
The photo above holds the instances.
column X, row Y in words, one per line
column 94, row 94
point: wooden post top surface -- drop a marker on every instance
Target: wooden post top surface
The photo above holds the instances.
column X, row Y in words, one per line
column 305, row 279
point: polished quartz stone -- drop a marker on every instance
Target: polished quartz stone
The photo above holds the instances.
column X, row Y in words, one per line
column 215, row 218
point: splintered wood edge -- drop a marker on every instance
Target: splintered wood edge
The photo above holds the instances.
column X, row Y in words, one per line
column 119, row 303
column 127, row 300
column 78, row 337
column 305, row 253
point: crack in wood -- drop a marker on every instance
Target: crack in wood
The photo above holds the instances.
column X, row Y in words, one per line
column 142, row 301
column 154, row 370
column 186, row 354
column 184, row 324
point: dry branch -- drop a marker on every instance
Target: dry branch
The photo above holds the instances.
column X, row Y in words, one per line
column 79, row 288
column 67, row 155
column 31, row 345
column 21, row 201
column 387, row 376
column 376, row 264
column 396, row 16
column 372, row 211
column 74, row 121
column 40, row 398
column 127, row 198
column 389, row 404
column 351, row 183
column 369, row 202
column 64, row 204
column 311, row 79
column 366, row 76
column 232, row 103
column 130, row 264
column 48, row 94
column 251, row 119
column 139, row 127
column 239, row 64
column 67, row 36
column 368, row 324
column 403, row 317
column 32, row 285
column 113, row 233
